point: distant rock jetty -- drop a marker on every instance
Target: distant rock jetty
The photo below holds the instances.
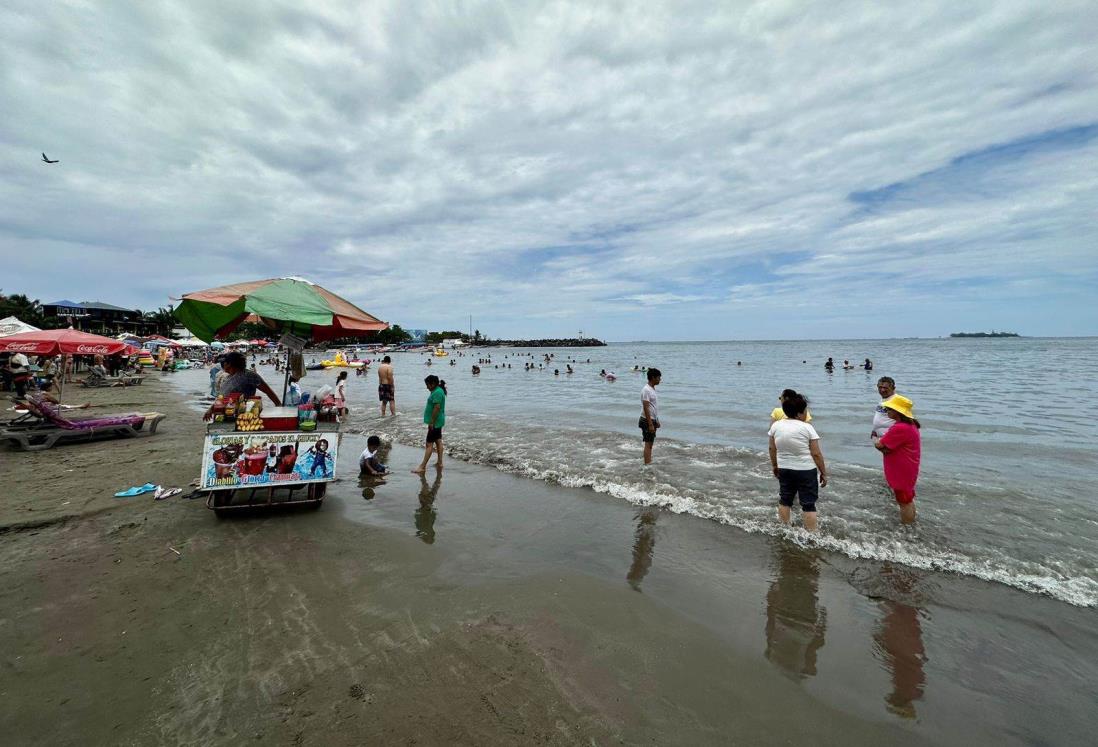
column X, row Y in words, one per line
column 985, row 334
column 567, row 342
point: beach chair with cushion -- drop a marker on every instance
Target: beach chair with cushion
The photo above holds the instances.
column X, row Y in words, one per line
column 96, row 379
column 51, row 427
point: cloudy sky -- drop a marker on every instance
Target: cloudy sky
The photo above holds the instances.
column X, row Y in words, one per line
column 717, row 170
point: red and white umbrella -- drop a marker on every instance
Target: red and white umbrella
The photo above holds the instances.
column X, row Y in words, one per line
column 60, row 342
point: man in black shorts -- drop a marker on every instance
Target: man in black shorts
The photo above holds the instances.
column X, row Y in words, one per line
column 386, row 386
column 650, row 413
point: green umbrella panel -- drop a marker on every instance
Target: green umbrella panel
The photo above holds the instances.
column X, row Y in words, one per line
column 295, row 306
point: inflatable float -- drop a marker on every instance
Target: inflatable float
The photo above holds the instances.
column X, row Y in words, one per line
column 341, row 361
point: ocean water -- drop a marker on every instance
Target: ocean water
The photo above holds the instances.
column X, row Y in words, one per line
column 1010, row 453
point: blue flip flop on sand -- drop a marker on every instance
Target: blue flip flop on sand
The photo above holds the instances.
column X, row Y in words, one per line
column 146, row 488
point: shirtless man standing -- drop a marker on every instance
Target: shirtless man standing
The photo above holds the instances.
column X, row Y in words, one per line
column 386, row 386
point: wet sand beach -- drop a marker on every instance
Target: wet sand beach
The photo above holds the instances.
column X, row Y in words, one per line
column 483, row 608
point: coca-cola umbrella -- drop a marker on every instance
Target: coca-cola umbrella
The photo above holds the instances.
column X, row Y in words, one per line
column 60, row 342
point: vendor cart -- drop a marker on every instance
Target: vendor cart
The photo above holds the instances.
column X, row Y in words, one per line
column 272, row 456
column 267, row 468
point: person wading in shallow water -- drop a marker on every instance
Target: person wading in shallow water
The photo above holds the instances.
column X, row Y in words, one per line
column 434, row 417
column 886, row 387
column 386, row 386
column 796, row 460
column 650, row 413
column 341, row 393
column 902, row 448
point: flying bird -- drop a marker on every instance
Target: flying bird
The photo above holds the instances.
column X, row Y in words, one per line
column 48, row 160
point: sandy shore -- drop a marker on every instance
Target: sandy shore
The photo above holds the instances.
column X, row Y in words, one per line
column 480, row 608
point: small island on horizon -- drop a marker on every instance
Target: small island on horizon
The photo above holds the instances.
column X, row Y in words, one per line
column 985, row 334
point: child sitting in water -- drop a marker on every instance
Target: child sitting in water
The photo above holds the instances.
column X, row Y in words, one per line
column 368, row 461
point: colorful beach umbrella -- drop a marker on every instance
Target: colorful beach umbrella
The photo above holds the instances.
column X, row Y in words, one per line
column 284, row 304
column 60, row 342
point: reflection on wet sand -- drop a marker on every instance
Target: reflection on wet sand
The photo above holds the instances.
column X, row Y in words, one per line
column 898, row 640
column 795, row 621
column 425, row 515
column 644, row 542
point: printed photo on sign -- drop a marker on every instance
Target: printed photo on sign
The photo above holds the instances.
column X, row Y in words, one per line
column 251, row 460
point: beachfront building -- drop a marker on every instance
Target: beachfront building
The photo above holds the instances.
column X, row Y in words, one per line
column 97, row 317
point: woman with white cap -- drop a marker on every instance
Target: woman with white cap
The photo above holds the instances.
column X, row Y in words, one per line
column 902, row 449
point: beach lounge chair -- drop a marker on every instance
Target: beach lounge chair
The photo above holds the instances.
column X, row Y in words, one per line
column 95, row 379
column 51, row 427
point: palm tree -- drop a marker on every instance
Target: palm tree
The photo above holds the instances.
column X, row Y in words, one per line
column 18, row 305
column 162, row 320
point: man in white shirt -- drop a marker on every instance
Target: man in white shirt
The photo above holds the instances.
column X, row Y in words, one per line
column 650, row 413
column 886, row 387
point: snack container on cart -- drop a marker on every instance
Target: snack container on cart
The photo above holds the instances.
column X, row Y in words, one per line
column 268, row 460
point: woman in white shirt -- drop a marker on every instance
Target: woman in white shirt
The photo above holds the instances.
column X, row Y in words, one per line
column 797, row 461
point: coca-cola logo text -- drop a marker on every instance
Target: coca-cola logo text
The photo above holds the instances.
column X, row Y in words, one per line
column 20, row 347
column 88, row 349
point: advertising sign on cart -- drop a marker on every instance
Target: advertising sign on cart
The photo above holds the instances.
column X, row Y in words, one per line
column 267, row 459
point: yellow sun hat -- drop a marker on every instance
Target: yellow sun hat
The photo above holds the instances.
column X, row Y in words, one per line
column 900, row 404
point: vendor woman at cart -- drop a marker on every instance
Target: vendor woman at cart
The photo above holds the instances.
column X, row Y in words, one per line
column 239, row 378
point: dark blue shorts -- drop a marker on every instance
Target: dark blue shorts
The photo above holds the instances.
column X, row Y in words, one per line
column 433, row 434
column 803, row 484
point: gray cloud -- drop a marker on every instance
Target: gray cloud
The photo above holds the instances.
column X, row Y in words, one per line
column 632, row 168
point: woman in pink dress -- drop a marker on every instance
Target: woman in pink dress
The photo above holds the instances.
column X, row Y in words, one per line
column 902, row 449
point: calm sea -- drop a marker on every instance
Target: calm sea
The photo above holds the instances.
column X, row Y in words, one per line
column 1010, row 450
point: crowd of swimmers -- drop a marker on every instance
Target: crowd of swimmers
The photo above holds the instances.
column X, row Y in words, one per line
column 829, row 365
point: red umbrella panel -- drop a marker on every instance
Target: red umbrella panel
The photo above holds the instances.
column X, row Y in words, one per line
column 60, row 342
